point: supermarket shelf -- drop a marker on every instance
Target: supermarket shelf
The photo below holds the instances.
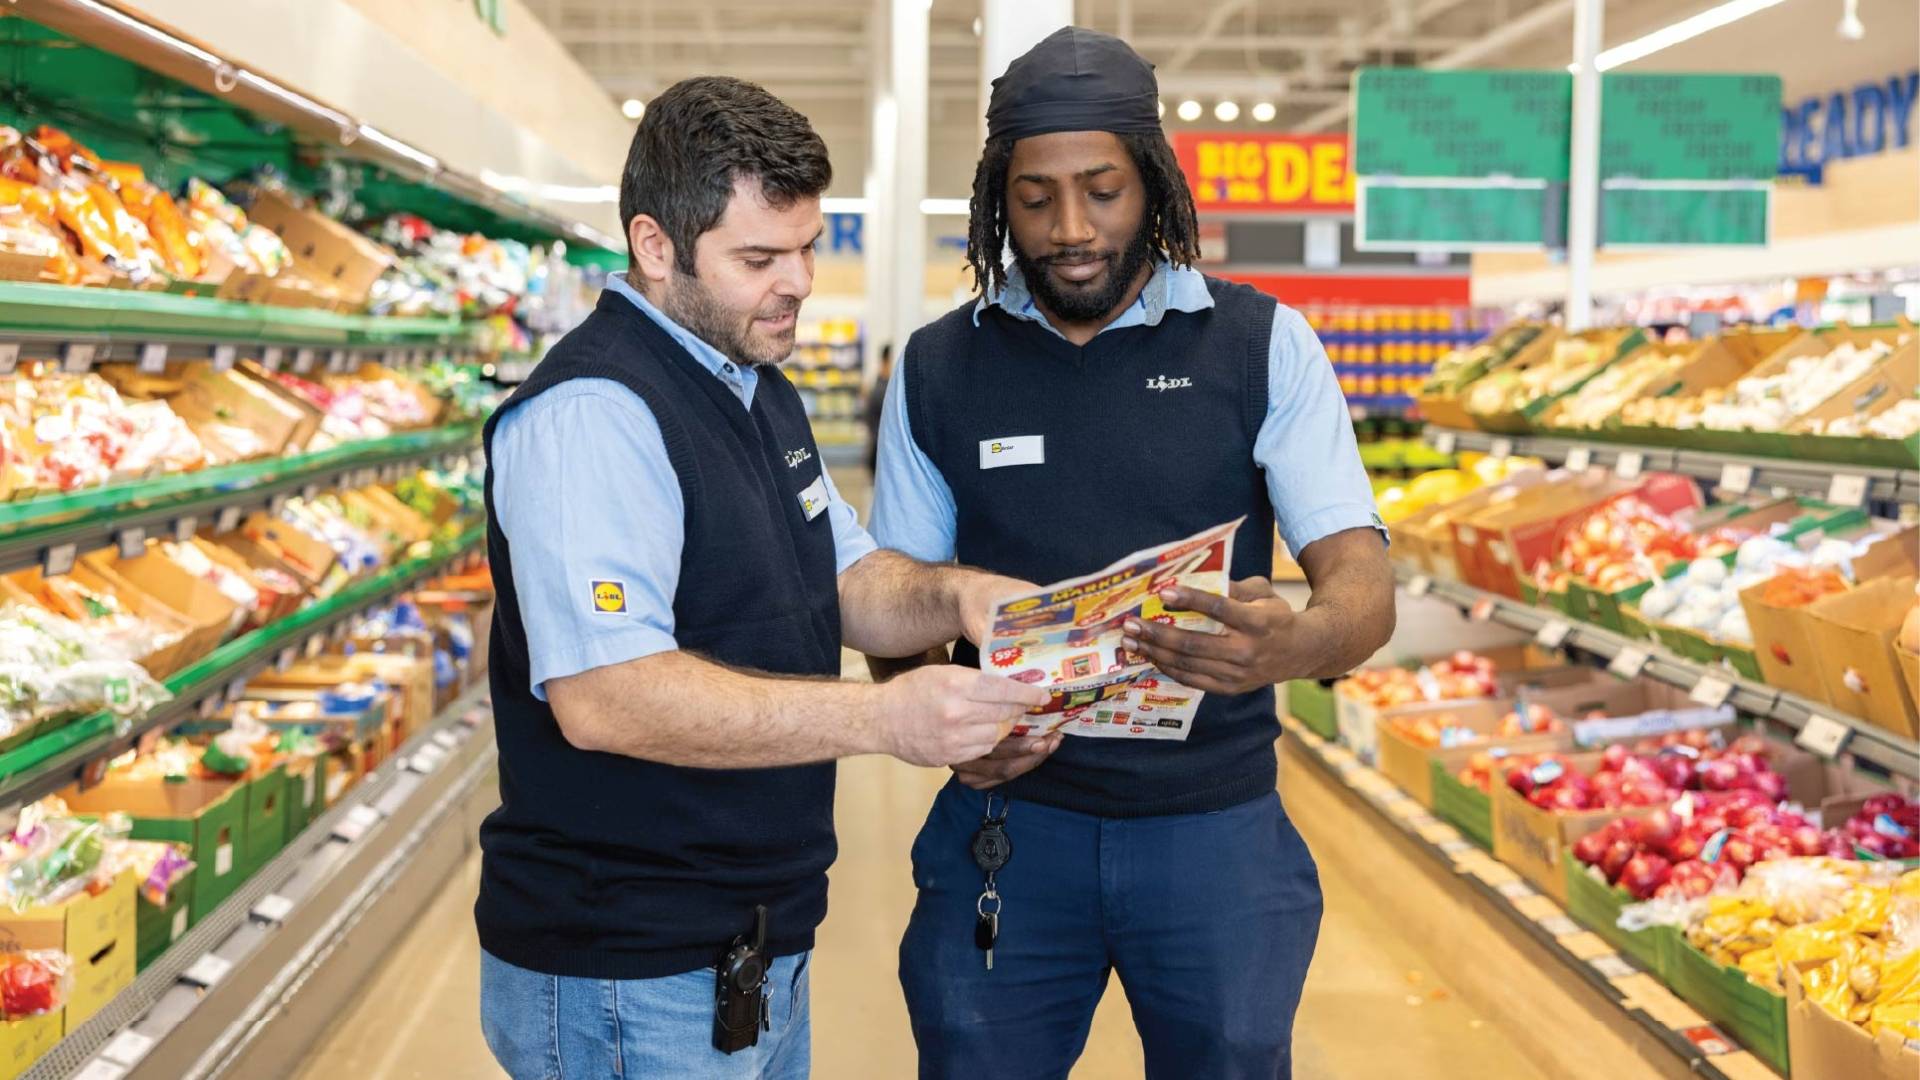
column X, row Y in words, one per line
column 81, row 325
column 46, row 532
column 207, row 1006
column 1614, row 976
column 60, row 757
column 1863, row 741
column 1801, row 477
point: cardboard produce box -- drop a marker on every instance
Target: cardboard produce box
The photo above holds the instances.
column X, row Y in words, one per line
column 1612, row 344
column 266, row 380
column 1821, row 1045
column 307, row 557
column 1410, row 764
column 1853, row 636
column 1596, row 905
column 1426, row 538
column 431, row 405
column 409, row 678
column 214, row 617
column 1707, row 364
column 268, row 808
column 158, row 926
column 229, row 397
column 96, row 932
column 208, row 816
column 1522, row 665
column 1534, row 841
column 1507, row 541
column 65, row 595
column 1755, row 1016
column 283, row 603
column 1890, row 381
column 325, row 252
column 23, row 1042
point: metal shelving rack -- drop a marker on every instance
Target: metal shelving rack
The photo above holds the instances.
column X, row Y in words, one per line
column 1737, row 472
column 1817, row 727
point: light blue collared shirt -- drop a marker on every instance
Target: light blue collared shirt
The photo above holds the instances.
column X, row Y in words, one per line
column 585, row 493
column 1305, row 446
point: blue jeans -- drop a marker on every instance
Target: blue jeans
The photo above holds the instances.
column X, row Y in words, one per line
column 1209, row 919
column 551, row 1027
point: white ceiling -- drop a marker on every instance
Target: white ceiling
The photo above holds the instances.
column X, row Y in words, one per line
column 818, row 55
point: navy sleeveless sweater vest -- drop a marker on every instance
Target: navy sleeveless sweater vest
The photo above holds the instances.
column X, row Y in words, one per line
column 604, row 866
column 1149, row 435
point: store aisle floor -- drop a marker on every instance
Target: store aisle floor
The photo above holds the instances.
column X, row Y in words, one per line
column 1372, row 1008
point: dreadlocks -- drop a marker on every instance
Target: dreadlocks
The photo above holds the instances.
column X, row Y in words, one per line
column 1172, row 230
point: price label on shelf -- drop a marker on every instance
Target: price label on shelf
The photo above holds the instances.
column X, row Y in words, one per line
column 1847, row 489
column 316, row 645
column 100, row 1069
column 1611, row 966
column 208, row 706
column 284, row 661
column 1501, row 448
column 1553, row 633
column 1482, row 609
column 1579, row 458
column 1736, row 478
column 133, row 542
column 1560, row 926
column 337, row 361
column 277, row 505
column 153, row 358
column 1823, row 735
column 446, row 738
column 9, row 356
column 1711, row 691
column 224, row 356
column 237, row 689
column 1445, row 441
column 184, row 528
column 1419, row 585
column 228, row 520
column 270, row 357
column 1629, row 662
column 391, row 358
column 127, row 1048
column 310, row 492
column 59, row 559
column 303, row 361
column 273, row 908
column 356, row 823
column 208, row 971
column 77, row 357
column 1630, row 464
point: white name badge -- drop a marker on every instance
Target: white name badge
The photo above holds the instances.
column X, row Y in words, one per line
column 813, row 501
column 1013, row 450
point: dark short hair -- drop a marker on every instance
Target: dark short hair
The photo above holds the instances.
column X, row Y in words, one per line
column 1173, row 230
column 699, row 137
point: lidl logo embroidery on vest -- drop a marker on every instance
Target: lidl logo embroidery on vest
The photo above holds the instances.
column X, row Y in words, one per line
column 797, row 458
column 610, row 597
column 1161, row 382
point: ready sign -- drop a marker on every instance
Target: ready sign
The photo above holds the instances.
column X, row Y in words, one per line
column 1232, row 172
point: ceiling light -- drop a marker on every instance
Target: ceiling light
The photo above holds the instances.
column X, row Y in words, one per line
column 1226, row 112
column 945, row 207
column 633, row 108
column 845, row 205
column 1685, row 30
column 1851, row 27
column 1189, row 110
column 1263, row 112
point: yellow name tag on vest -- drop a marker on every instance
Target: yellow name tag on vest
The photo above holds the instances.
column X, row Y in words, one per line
column 813, row 501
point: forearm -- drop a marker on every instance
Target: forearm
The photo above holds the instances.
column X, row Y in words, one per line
column 678, row 709
column 895, row 606
column 1351, row 612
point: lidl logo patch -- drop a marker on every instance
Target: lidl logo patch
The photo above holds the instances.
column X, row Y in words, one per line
column 610, row 597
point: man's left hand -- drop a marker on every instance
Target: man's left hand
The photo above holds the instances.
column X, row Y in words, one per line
column 979, row 595
column 1262, row 640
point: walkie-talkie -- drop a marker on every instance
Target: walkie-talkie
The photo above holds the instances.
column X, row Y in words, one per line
column 740, row 997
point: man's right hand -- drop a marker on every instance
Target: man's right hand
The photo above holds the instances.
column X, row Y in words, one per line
column 945, row 715
column 1013, row 757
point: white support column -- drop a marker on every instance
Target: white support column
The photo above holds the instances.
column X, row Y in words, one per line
column 1583, row 176
column 876, row 233
column 1008, row 28
column 906, row 233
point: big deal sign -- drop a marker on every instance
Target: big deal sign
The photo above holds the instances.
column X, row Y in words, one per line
column 1244, row 172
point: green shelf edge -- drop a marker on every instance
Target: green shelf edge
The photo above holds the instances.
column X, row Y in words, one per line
column 17, row 519
column 36, row 308
column 183, row 684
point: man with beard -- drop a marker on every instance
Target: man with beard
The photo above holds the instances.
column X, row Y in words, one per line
column 1142, row 402
column 676, row 576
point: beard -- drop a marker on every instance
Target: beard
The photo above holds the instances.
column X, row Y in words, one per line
column 1092, row 300
column 733, row 331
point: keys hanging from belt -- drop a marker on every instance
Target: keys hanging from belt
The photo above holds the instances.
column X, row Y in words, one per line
column 991, row 849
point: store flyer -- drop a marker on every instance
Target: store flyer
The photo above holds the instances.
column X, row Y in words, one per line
column 1067, row 637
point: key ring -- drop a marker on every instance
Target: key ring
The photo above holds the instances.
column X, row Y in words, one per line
column 992, row 795
column 980, row 905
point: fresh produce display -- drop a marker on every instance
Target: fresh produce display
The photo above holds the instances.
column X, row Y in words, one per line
column 68, row 432
column 50, row 667
column 1400, row 501
column 1625, row 542
column 1773, row 402
column 1445, row 730
column 1602, row 398
column 34, row 982
column 251, row 248
column 447, row 273
column 1506, row 389
column 1460, row 676
column 1887, row 827
column 1899, row 421
column 49, row 859
column 1650, row 774
column 1700, row 842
